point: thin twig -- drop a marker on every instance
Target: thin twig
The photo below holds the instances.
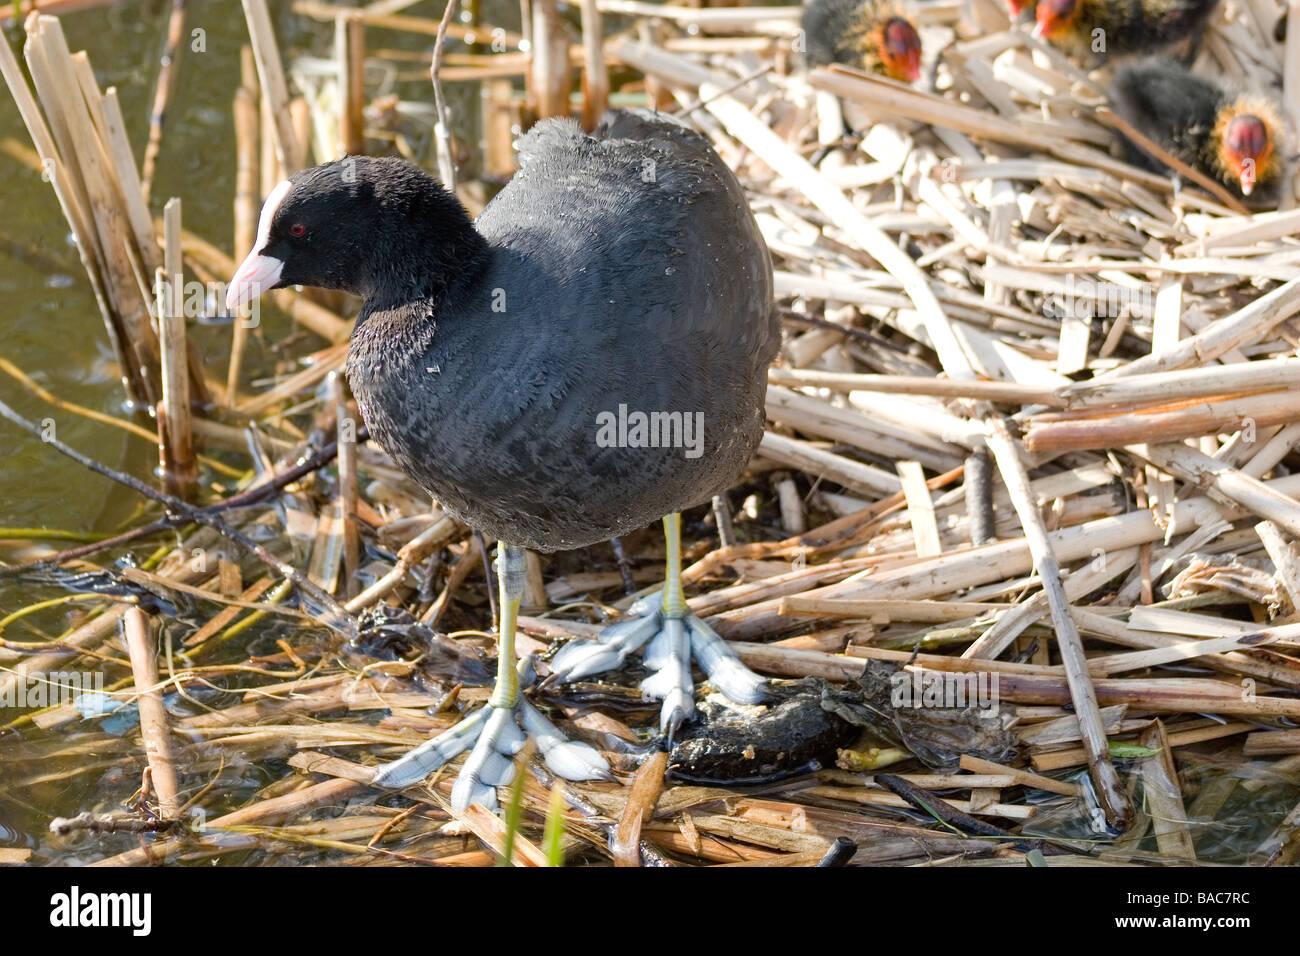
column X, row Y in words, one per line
column 339, row 619
column 442, row 129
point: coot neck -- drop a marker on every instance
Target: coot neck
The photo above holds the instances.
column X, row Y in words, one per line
column 427, row 250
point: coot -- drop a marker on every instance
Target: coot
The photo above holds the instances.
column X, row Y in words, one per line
column 1021, row 9
column 1235, row 138
column 1105, row 27
column 876, row 36
column 586, row 357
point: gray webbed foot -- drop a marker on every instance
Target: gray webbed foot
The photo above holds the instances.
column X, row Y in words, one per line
column 670, row 643
column 496, row 733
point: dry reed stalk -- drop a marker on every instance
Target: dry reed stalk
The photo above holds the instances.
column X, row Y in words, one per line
column 595, row 77
column 350, row 58
column 439, row 533
column 85, row 153
column 780, row 19
column 1023, row 778
column 347, row 465
column 1272, row 742
column 164, row 90
column 491, row 829
column 1063, row 759
column 373, row 15
column 275, row 92
column 1224, row 483
column 1272, row 671
column 876, row 798
column 1163, row 797
column 92, row 196
column 843, row 471
column 245, row 206
column 1284, row 559
column 153, row 715
column 1010, row 392
column 647, row 784
column 1048, row 433
column 176, row 443
column 441, row 129
column 549, row 72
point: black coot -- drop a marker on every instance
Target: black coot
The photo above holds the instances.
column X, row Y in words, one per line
column 587, row 356
column 876, row 36
column 1239, row 139
column 1101, row 28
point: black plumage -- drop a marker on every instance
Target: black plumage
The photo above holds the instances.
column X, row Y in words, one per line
column 1209, row 127
column 875, row 36
column 618, row 269
column 1121, row 27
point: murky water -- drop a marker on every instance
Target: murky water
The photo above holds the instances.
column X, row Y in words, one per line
column 53, row 332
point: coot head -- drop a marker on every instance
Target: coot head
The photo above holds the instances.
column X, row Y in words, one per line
column 900, row 50
column 1054, row 17
column 1247, row 150
column 359, row 224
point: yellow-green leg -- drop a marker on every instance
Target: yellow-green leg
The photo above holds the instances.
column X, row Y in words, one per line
column 674, row 601
column 510, row 589
column 671, row 635
column 497, row 731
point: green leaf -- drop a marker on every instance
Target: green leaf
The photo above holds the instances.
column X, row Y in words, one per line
column 514, row 811
column 553, row 834
column 1131, row 750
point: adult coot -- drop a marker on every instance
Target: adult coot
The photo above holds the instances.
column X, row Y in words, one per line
column 586, row 357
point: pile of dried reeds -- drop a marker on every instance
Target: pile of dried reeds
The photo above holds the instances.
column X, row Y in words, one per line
column 1031, row 419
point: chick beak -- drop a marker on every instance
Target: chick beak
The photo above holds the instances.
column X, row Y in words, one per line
column 1040, row 29
column 1247, row 187
column 912, row 67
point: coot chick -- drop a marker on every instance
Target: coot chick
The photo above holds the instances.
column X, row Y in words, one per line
column 1021, row 9
column 586, row 357
column 876, row 36
column 1235, row 138
column 1105, row 27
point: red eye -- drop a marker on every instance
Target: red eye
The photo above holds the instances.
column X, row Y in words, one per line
column 297, row 230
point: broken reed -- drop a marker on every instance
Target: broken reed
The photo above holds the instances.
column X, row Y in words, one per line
column 921, row 363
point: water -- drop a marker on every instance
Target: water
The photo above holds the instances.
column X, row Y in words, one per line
column 53, row 332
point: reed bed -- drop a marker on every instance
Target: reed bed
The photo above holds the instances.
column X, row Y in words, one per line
column 1034, row 419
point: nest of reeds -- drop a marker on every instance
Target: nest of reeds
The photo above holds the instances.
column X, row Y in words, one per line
column 1032, row 429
